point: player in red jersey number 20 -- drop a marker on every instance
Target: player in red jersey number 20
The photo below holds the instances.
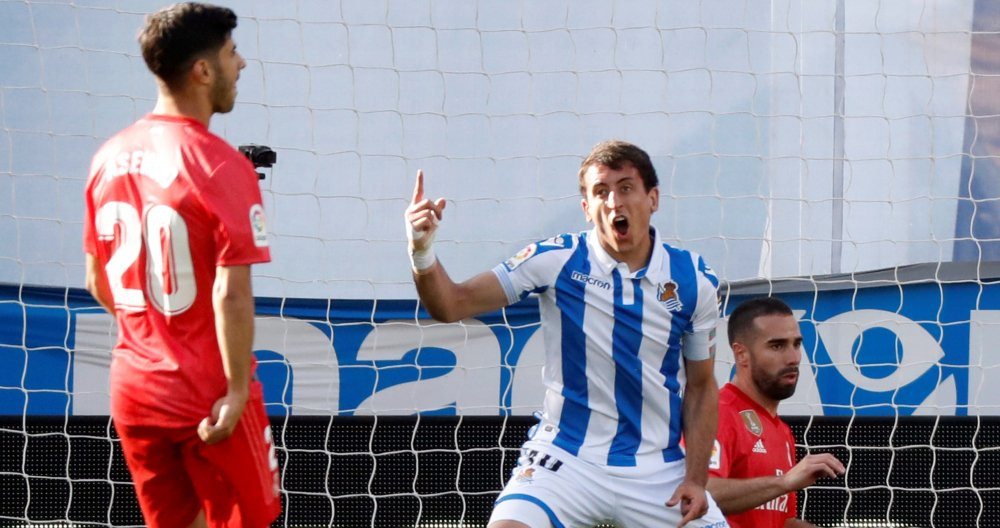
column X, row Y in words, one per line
column 173, row 222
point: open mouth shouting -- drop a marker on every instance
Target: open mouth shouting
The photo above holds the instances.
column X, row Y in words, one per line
column 620, row 226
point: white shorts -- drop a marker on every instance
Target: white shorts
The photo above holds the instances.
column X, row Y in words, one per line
column 550, row 487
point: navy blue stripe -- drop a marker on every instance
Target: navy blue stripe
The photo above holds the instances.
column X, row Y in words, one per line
column 707, row 272
column 682, row 272
column 536, row 501
column 626, row 336
column 685, row 271
column 575, row 416
column 672, row 454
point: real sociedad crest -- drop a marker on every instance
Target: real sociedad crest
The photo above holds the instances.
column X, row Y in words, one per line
column 525, row 475
column 667, row 294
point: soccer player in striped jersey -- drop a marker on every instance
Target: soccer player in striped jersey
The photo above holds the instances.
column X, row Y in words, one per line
column 752, row 473
column 622, row 314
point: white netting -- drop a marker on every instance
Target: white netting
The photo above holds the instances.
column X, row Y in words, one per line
column 792, row 138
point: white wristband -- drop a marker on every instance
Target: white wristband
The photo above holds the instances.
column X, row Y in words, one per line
column 423, row 260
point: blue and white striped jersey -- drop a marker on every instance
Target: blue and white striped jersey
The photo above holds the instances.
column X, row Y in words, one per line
column 613, row 343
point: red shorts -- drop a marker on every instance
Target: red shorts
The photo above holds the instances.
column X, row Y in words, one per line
column 176, row 475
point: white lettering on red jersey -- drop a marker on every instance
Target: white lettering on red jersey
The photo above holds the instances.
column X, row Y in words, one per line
column 166, row 202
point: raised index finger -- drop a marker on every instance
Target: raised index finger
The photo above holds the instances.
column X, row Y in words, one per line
column 418, row 189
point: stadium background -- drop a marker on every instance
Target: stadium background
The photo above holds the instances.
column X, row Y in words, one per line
column 842, row 154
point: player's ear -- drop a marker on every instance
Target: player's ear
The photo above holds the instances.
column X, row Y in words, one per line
column 741, row 354
column 586, row 212
column 654, row 197
column 201, row 71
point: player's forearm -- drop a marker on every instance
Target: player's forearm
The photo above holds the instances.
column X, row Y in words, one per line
column 97, row 284
column 701, row 416
column 449, row 302
column 437, row 292
column 798, row 523
column 101, row 297
column 740, row 495
column 232, row 299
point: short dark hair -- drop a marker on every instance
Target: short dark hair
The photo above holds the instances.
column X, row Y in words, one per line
column 174, row 37
column 742, row 318
column 614, row 154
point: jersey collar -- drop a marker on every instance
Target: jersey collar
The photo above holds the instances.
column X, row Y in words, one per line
column 606, row 263
column 174, row 119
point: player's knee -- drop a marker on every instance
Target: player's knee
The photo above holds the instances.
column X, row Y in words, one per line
column 512, row 524
column 517, row 513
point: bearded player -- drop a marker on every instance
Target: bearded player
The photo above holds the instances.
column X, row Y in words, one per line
column 173, row 223
column 752, row 474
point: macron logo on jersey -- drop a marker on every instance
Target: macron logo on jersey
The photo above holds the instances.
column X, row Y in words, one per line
column 587, row 279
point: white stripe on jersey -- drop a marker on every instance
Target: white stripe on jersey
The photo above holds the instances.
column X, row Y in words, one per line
column 613, row 342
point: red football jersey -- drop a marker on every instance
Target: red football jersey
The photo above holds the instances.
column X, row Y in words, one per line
column 752, row 443
column 166, row 202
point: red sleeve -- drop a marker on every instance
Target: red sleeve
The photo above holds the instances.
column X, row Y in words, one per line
column 89, row 230
column 233, row 194
column 724, row 450
column 793, row 508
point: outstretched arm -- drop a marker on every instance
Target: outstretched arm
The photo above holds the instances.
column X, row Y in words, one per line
column 701, row 398
column 444, row 299
column 740, row 495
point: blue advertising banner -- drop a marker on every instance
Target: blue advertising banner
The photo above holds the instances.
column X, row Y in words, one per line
column 905, row 341
column 913, row 340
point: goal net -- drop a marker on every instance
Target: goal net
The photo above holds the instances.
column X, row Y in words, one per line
column 841, row 154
